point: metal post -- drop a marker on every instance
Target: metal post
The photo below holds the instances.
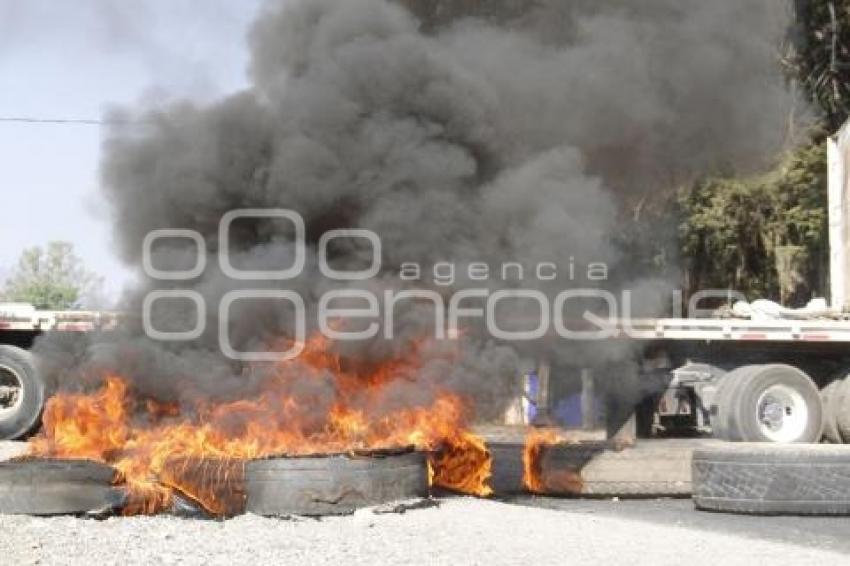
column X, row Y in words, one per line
column 543, row 370
column 588, row 400
column 620, row 421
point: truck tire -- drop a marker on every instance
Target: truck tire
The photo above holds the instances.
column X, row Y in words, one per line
column 771, row 479
column 57, row 487
column 841, row 410
column 721, row 414
column 332, row 485
column 22, row 393
column 831, row 396
column 769, row 403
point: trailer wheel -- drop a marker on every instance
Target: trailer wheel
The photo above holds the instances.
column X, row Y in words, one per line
column 771, row 479
column 841, row 408
column 22, row 393
column 721, row 414
column 832, row 397
column 769, row 403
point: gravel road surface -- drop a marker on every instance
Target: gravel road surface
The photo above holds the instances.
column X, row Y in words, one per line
column 459, row 531
column 821, row 533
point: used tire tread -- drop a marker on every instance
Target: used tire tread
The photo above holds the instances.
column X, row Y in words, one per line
column 332, row 485
column 57, row 487
column 760, row 478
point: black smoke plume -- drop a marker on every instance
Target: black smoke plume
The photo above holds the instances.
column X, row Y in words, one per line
column 458, row 132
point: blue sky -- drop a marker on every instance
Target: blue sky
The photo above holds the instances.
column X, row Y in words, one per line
column 76, row 60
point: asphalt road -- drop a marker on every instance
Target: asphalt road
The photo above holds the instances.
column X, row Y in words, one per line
column 822, row 533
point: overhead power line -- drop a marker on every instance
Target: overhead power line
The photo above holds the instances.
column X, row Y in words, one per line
column 66, row 121
column 26, row 120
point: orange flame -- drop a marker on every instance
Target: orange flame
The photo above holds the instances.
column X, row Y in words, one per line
column 463, row 465
column 540, row 478
column 535, row 441
column 311, row 405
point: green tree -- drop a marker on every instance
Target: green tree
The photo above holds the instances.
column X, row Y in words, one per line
column 50, row 278
column 817, row 56
column 738, row 232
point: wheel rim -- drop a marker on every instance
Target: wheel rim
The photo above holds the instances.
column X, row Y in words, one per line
column 782, row 413
column 11, row 390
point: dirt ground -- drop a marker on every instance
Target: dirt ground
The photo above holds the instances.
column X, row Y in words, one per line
column 459, row 531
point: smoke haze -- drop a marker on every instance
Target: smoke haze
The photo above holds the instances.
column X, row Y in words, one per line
column 515, row 134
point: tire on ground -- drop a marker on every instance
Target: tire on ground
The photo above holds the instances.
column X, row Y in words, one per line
column 332, row 485
column 22, row 417
column 769, row 479
column 57, row 487
column 738, row 409
column 506, row 467
column 650, row 468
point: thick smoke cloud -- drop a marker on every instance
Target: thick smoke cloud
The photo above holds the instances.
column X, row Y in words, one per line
column 514, row 136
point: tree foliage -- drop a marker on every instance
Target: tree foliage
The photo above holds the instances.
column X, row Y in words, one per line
column 817, row 56
column 52, row 278
column 735, row 232
column 732, row 229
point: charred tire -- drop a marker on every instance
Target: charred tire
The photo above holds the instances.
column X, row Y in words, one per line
column 57, row 487
column 771, row 479
column 649, row 469
column 506, row 468
column 768, row 403
column 332, row 485
column 22, row 393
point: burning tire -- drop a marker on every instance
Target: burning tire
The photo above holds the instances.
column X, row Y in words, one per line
column 57, row 487
column 771, row 479
column 507, row 468
column 21, row 393
column 332, row 485
column 650, row 468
